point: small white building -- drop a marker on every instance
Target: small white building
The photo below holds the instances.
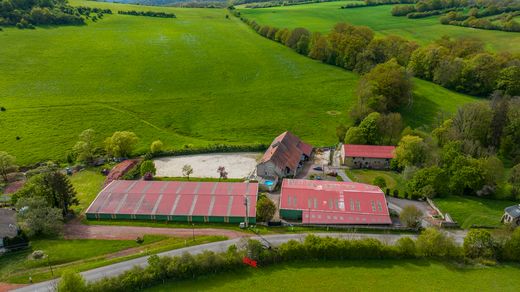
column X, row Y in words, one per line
column 512, row 215
column 284, row 157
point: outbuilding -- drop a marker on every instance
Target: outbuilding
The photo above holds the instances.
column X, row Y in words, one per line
column 367, row 156
column 512, row 215
column 333, row 202
column 179, row 201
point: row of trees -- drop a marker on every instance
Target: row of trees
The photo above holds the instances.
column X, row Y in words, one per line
column 461, row 64
column 474, row 18
column 459, row 19
column 120, row 144
column 148, row 13
column 267, row 4
column 478, row 246
column 375, row 3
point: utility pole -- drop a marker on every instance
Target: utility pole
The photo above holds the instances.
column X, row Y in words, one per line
column 246, row 203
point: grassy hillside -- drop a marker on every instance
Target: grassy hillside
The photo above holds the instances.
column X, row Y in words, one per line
column 385, row 275
column 195, row 80
column 321, row 17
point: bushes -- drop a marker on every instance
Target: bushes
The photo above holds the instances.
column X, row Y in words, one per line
column 411, row 216
column 380, row 182
column 434, row 243
column 479, row 244
column 402, row 10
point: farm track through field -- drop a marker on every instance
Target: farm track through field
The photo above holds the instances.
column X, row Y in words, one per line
column 164, row 130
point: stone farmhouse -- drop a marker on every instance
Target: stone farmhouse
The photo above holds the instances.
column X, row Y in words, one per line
column 367, row 156
column 284, row 157
column 512, row 215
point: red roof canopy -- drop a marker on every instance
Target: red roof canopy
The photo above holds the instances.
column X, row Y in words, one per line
column 286, row 151
column 369, row 151
column 175, row 198
column 330, row 202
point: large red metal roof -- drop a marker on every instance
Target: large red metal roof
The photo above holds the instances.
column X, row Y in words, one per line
column 369, row 151
column 330, row 202
column 175, row 198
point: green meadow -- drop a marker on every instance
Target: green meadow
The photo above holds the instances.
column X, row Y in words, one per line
column 323, row 16
column 370, row 275
column 195, row 80
column 469, row 211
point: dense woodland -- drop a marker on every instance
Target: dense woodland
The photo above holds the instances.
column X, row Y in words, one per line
column 29, row 13
column 465, row 154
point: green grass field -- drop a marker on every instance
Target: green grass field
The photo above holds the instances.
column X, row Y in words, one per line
column 85, row 254
column 87, row 184
column 472, row 210
column 62, row 251
column 393, row 179
column 323, row 16
column 384, row 275
column 196, row 80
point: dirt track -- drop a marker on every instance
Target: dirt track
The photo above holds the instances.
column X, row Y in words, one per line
column 4, row 287
column 78, row 231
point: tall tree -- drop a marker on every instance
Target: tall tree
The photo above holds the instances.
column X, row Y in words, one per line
column 54, row 187
column 37, row 217
column 473, row 121
column 7, row 164
column 85, row 148
column 387, row 87
column 121, row 144
column 411, row 151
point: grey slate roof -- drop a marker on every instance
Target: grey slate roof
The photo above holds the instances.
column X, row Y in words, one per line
column 513, row 211
column 7, row 222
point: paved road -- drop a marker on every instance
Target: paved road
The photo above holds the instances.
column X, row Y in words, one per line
column 116, row 269
column 342, row 174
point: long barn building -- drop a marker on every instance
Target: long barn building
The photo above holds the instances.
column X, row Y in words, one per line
column 221, row 202
column 333, row 202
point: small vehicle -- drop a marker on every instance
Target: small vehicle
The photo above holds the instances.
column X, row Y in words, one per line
column 318, row 178
column 318, row 168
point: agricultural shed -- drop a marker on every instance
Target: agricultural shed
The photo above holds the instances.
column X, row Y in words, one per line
column 175, row 201
column 367, row 156
column 333, row 202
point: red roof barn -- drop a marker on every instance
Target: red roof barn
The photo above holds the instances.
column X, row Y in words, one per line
column 332, row 202
column 367, row 156
column 175, row 201
column 284, row 156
